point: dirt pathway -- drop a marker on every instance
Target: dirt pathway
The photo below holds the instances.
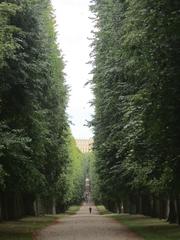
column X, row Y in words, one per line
column 85, row 226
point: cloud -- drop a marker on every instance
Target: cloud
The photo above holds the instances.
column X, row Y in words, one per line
column 74, row 27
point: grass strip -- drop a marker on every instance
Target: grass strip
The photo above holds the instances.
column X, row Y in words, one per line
column 25, row 228
column 73, row 210
column 102, row 210
column 146, row 227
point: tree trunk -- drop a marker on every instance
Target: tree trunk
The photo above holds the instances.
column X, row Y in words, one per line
column 132, row 206
column 118, row 209
column 155, row 207
column 37, row 206
column 0, row 207
column 54, row 206
column 146, row 205
column 172, row 218
column 28, row 200
column 122, row 207
column 18, row 206
column 178, row 208
column 126, row 205
column 162, row 209
column 167, row 208
column 139, row 211
column 4, row 207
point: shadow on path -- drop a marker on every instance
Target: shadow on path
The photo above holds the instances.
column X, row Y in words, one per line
column 86, row 226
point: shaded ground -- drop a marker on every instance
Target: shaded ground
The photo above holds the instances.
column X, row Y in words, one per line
column 150, row 228
column 87, row 226
column 147, row 227
column 24, row 228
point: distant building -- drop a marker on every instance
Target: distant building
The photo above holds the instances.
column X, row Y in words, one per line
column 87, row 193
column 84, row 145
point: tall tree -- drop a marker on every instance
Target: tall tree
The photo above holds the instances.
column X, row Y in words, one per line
column 33, row 99
column 136, row 91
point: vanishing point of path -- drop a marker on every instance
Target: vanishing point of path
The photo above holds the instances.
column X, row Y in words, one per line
column 85, row 226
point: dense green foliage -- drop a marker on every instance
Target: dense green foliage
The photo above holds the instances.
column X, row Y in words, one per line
column 90, row 161
column 137, row 105
column 35, row 156
column 75, row 177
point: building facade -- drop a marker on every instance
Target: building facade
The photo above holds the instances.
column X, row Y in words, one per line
column 84, row 145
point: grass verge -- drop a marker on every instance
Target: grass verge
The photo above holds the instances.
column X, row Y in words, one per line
column 146, row 227
column 73, row 210
column 102, row 210
column 25, row 228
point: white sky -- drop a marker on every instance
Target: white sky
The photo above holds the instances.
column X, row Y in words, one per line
column 74, row 27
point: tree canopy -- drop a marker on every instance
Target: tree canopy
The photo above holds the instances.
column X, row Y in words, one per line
column 137, row 93
column 35, row 156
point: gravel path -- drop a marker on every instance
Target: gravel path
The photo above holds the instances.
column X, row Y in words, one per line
column 85, row 226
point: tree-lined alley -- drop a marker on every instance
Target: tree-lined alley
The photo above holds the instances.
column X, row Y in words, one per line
column 135, row 166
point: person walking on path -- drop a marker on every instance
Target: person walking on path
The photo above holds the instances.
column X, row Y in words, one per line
column 90, row 210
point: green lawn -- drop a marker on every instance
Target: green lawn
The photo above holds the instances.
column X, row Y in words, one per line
column 25, row 228
column 102, row 210
column 72, row 210
column 148, row 228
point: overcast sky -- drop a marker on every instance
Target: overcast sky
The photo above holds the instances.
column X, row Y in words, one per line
column 74, row 27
